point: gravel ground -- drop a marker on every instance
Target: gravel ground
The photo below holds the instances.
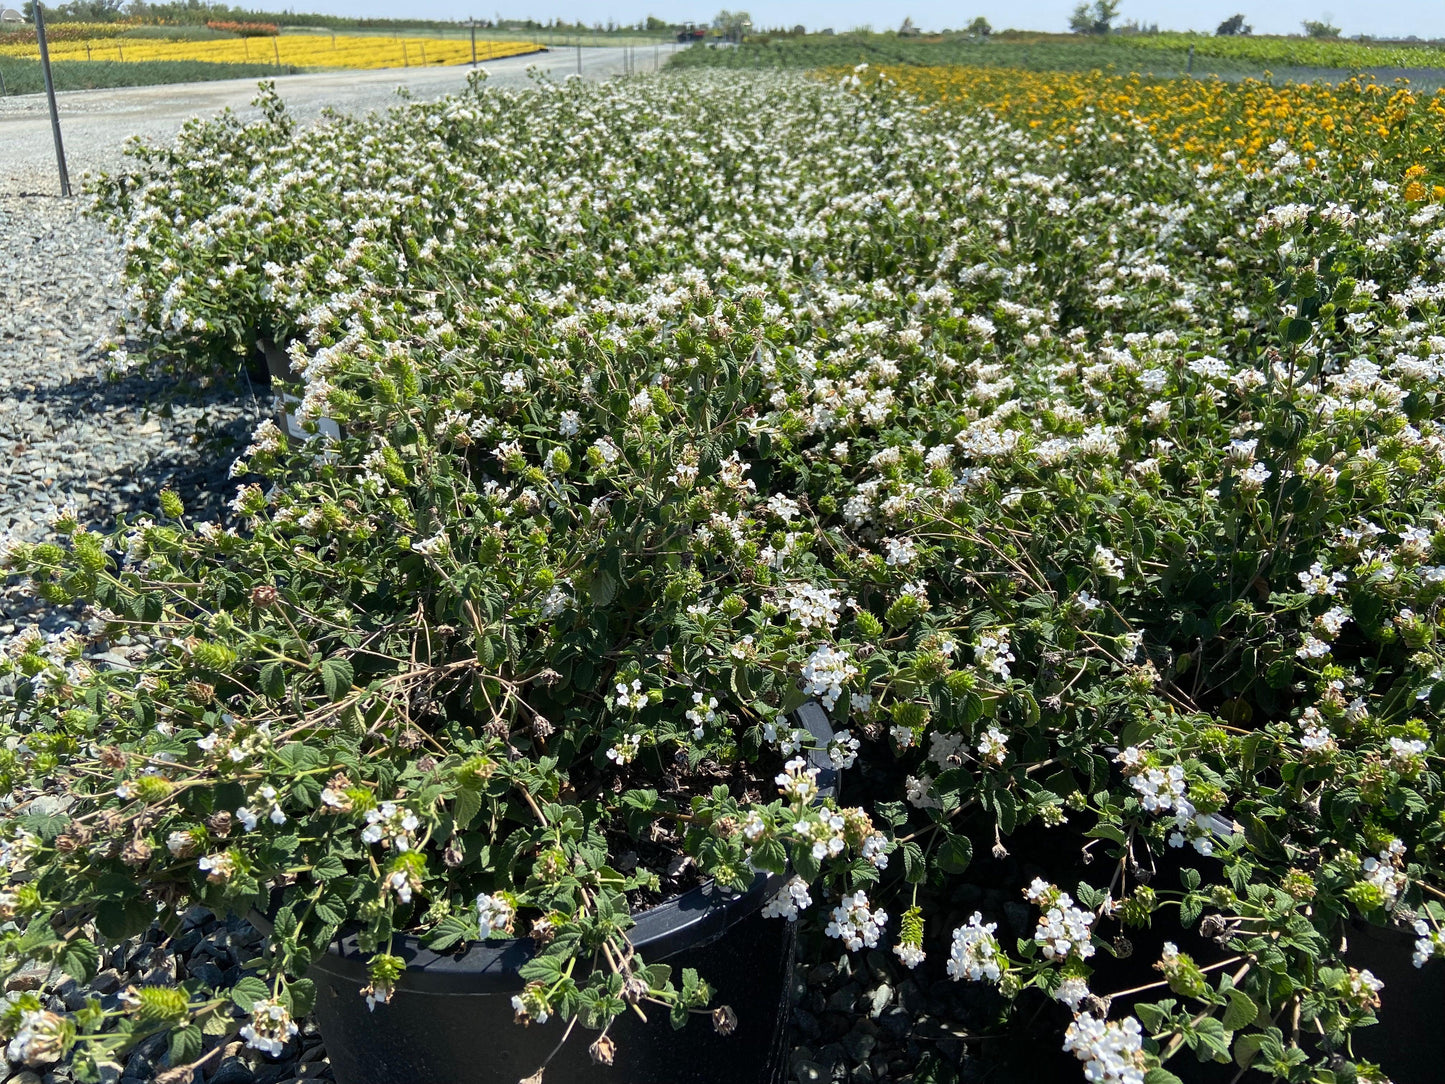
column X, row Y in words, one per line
column 69, row 435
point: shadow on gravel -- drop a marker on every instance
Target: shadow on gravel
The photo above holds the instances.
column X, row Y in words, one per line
column 163, row 433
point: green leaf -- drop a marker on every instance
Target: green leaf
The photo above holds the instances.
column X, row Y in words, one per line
column 1294, row 330
column 914, row 867
column 185, row 1045
column 1159, row 1075
column 302, row 993
column 955, row 854
column 337, row 676
column 603, row 589
column 120, row 919
column 1241, row 1010
column 248, row 991
column 1153, row 1017
column 273, row 680
column 1246, row 1048
column 1007, row 810
column 328, row 868
column 770, row 855
column 80, row 960
column 466, row 806
column 450, row 931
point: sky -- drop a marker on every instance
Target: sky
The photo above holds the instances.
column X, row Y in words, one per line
column 1398, row 18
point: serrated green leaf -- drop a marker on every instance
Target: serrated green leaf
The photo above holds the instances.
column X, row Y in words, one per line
column 337, row 676
column 465, row 806
column 302, row 993
column 249, row 991
column 273, row 680
column 185, row 1045
column 80, row 960
column 1240, row 1012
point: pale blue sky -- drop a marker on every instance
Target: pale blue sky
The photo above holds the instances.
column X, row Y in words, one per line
column 1397, row 18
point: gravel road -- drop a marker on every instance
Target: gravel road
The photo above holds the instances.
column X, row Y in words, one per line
column 96, row 123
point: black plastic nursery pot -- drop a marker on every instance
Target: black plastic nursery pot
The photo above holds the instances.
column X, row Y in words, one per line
column 450, row 1018
column 1409, row 1041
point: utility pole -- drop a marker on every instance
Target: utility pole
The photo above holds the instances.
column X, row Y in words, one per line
column 473, row 24
column 50, row 97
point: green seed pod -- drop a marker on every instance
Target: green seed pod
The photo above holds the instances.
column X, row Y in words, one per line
column 869, row 627
column 212, row 656
column 171, row 505
column 161, row 1005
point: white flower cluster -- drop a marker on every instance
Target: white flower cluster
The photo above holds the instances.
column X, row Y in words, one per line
column 994, row 652
column 1161, row 790
column 631, row 697
column 494, row 913
column 269, row 1027
column 993, row 747
column 1112, row 1051
column 843, row 749
column 391, row 824
column 249, row 817
column 1429, row 944
column 1318, row 582
column 1064, row 931
column 826, row 672
column 1072, row 992
column 625, row 749
column 975, row 953
column 39, row 1040
column 792, row 898
column 855, row 924
column 798, row 782
column 812, row 607
column 219, row 868
column 1384, row 872
column 703, row 713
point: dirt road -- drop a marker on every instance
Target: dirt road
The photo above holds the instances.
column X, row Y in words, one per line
column 96, row 123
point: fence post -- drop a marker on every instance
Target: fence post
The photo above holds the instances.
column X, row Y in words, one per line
column 1191, row 60
column 579, row 58
column 474, row 45
column 276, row 48
column 50, row 97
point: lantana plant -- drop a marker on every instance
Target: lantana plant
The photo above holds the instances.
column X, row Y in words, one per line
column 1087, row 489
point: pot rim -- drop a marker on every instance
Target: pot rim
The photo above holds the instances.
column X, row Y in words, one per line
column 690, row 920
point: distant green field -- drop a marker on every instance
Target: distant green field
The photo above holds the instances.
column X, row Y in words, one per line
column 1165, row 56
column 23, row 76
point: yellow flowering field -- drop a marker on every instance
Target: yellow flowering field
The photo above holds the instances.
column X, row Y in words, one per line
column 297, row 50
column 1391, row 124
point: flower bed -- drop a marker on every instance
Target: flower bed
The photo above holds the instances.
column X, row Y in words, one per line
column 1094, row 493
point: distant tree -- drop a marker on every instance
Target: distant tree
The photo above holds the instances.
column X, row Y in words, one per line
column 979, row 28
column 1320, row 28
column 1095, row 18
column 731, row 23
column 908, row 30
column 1234, row 26
column 654, row 23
